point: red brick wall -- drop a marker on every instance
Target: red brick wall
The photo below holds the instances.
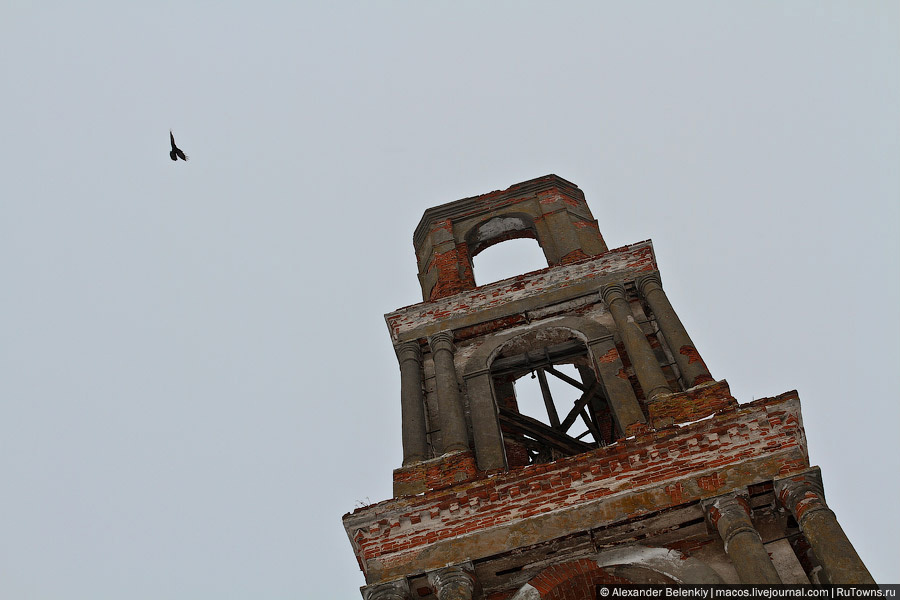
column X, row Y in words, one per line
column 690, row 406
column 575, row 580
column 764, row 427
column 435, row 474
column 447, row 299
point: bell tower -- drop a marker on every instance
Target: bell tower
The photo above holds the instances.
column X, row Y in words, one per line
column 643, row 470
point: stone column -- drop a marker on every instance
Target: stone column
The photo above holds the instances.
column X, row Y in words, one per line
column 412, row 403
column 646, row 367
column 804, row 497
column 393, row 590
column 452, row 418
column 692, row 367
column 489, row 450
column 453, row 583
column 622, row 401
column 731, row 516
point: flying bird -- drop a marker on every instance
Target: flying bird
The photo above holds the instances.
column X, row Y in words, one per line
column 176, row 152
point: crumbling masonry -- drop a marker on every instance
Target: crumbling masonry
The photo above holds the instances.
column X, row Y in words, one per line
column 672, row 480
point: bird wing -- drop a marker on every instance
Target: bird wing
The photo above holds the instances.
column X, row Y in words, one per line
column 180, row 154
column 172, row 138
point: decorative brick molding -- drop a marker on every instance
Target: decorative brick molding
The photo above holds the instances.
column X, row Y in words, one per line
column 660, row 469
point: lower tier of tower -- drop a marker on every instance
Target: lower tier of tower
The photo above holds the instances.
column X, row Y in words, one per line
column 727, row 498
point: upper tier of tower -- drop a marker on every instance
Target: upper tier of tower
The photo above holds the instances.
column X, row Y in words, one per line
column 548, row 209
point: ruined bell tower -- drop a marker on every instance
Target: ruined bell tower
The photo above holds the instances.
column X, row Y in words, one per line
column 644, row 470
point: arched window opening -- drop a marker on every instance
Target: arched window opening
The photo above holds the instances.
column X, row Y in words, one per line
column 508, row 259
column 511, row 244
column 551, row 404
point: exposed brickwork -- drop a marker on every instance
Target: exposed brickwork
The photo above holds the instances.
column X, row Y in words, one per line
column 638, row 496
column 582, row 276
column 488, row 327
column 538, row 208
column 573, row 256
column 692, row 405
column 698, row 453
column 516, row 453
column 454, row 272
column 715, row 514
column 802, row 503
column 676, row 493
column 573, row 580
column 693, row 357
column 611, row 356
column 435, row 474
column 553, row 196
column 711, row 483
column 607, row 424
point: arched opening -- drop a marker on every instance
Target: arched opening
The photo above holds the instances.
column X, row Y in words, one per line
column 505, row 246
column 508, row 259
column 550, row 401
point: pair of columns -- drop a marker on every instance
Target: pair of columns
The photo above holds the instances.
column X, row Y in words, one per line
column 412, row 403
column 802, row 495
column 452, row 420
column 450, row 583
column 646, row 366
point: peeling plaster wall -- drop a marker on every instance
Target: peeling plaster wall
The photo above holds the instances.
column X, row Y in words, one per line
column 510, row 296
column 637, row 476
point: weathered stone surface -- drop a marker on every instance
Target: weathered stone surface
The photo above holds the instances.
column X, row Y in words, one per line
column 803, row 496
column 635, row 477
column 500, row 498
column 522, row 293
column 730, row 514
column 549, row 209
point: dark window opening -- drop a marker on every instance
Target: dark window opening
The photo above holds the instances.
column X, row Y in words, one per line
column 551, row 404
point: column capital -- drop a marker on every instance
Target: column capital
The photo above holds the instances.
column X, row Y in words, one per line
column 802, row 494
column 443, row 340
column 409, row 351
column 648, row 283
column 612, row 292
column 730, row 515
column 392, row 590
column 453, row 583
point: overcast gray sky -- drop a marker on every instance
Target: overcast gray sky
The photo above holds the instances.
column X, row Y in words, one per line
column 196, row 380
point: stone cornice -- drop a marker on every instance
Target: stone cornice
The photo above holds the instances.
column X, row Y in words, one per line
column 485, row 203
column 522, row 293
column 723, row 454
